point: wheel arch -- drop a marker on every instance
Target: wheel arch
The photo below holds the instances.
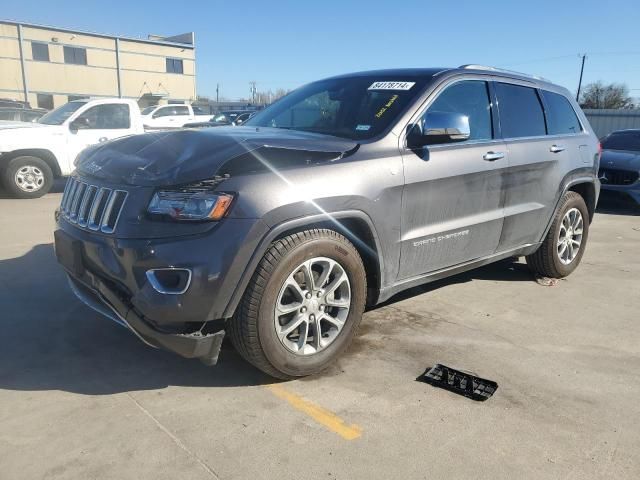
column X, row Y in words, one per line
column 45, row 155
column 587, row 190
column 355, row 225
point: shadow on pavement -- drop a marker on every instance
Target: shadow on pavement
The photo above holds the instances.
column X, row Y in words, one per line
column 508, row 270
column 612, row 204
column 51, row 341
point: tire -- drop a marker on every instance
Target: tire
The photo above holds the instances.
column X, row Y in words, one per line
column 253, row 329
column 27, row 177
column 550, row 260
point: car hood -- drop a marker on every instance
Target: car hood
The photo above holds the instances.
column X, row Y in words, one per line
column 619, row 159
column 185, row 156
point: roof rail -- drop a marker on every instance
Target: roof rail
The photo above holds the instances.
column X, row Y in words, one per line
column 472, row 66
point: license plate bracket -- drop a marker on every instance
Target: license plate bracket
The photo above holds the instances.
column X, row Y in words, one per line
column 68, row 252
column 457, row 381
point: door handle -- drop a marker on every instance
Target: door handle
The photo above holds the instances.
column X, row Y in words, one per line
column 493, row 156
column 556, row 148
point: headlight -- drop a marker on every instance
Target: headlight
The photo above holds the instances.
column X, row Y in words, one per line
column 190, row 204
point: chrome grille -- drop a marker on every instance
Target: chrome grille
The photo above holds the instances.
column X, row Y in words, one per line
column 92, row 207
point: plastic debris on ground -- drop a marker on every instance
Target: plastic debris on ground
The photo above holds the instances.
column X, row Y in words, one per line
column 456, row 381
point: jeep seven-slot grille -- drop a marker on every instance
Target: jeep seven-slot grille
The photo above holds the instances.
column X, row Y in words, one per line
column 610, row 176
column 92, row 207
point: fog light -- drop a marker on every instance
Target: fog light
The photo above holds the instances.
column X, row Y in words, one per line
column 169, row 281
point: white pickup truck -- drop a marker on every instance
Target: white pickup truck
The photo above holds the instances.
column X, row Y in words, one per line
column 162, row 117
column 33, row 154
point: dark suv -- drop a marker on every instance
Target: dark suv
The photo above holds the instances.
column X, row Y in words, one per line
column 338, row 196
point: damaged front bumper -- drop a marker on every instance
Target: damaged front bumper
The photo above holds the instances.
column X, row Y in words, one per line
column 99, row 297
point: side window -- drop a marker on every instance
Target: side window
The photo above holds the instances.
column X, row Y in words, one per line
column 75, row 55
column 174, row 65
column 163, row 112
column 181, row 110
column 470, row 98
column 45, row 100
column 521, row 113
column 107, row 117
column 561, row 117
column 40, row 51
column 198, row 111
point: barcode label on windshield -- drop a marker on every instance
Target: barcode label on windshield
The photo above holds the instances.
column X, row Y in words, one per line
column 391, row 85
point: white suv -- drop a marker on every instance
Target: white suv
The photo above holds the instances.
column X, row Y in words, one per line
column 160, row 117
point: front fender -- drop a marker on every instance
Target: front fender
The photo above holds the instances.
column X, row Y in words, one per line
column 334, row 218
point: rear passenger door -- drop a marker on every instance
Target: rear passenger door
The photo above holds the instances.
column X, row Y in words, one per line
column 452, row 200
column 536, row 166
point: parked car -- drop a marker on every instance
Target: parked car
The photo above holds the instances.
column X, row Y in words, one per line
column 14, row 114
column 620, row 164
column 11, row 103
column 339, row 195
column 33, row 154
column 237, row 117
column 162, row 117
column 222, row 119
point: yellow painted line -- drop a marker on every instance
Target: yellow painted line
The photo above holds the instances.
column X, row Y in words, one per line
column 324, row 417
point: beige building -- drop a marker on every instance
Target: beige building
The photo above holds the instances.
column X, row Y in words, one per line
column 48, row 66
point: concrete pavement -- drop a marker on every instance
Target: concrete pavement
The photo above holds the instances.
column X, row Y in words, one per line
column 82, row 398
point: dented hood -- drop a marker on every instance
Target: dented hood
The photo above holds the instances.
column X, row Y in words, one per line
column 184, row 156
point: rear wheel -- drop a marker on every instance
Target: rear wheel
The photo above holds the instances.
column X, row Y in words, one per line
column 27, row 177
column 302, row 306
column 564, row 245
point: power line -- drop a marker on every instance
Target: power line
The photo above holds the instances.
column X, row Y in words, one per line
column 538, row 60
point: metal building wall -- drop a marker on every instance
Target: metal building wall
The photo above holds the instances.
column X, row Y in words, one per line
column 605, row 121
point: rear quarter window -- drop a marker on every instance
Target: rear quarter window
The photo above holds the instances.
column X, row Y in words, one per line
column 521, row 113
column 561, row 118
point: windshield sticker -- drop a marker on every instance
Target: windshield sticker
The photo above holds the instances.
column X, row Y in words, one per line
column 391, row 85
column 363, row 128
column 386, row 106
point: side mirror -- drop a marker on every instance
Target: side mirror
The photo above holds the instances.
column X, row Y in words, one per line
column 439, row 127
column 240, row 121
column 79, row 123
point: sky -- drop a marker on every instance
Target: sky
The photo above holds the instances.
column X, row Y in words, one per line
column 284, row 44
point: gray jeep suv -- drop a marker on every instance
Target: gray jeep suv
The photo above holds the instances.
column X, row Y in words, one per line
column 338, row 196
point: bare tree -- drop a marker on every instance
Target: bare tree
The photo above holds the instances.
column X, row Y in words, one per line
column 269, row 96
column 600, row 95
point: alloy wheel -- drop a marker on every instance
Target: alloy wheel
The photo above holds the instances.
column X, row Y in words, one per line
column 570, row 236
column 312, row 306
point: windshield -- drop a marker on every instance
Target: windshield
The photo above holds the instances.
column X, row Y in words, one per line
column 351, row 107
column 623, row 141
column 60, row 114
column 148, row 110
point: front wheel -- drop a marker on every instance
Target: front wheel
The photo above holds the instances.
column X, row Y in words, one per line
column 564, row 245
column 303, row 305
column 27, row 177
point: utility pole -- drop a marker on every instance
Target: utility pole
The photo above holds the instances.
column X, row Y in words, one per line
column 253, row 92
column 584, row 57
column 217, row 93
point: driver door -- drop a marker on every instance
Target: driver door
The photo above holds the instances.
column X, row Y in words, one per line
column 98, row 124
column 452, row 205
